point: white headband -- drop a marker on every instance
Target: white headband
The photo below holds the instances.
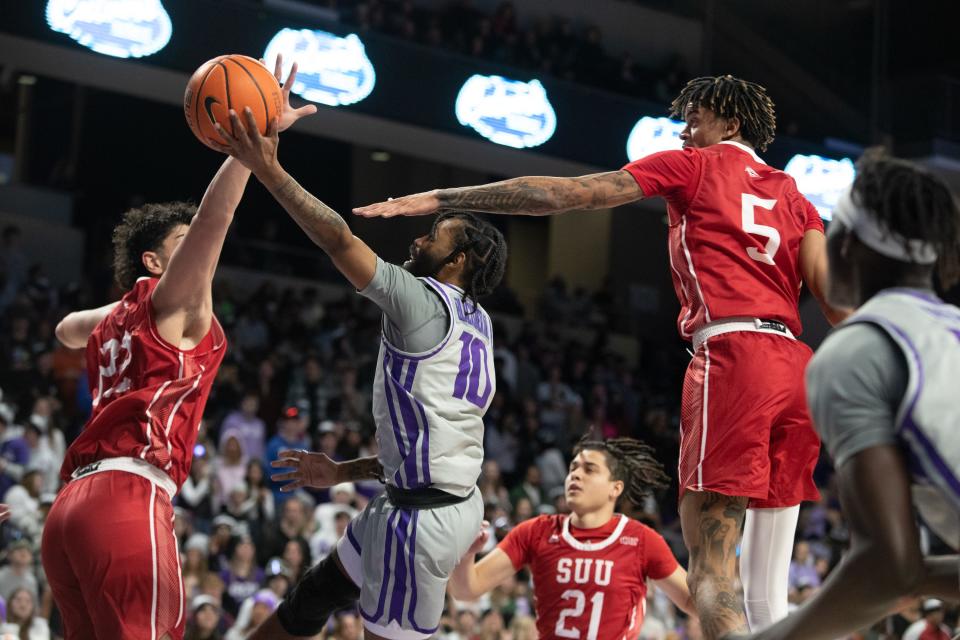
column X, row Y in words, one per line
column 879, row 238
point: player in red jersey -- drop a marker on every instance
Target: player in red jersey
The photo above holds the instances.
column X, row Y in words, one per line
column 742, row 241
column 109, row 549
column 590, row 569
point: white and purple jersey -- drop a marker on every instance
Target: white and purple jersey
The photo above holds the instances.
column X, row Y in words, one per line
column 429, row 406
column 927, row 330
column 888, row 376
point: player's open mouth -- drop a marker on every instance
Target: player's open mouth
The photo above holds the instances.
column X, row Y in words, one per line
column 573, row 487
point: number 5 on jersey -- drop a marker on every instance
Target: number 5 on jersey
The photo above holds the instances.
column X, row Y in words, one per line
column 748, row 204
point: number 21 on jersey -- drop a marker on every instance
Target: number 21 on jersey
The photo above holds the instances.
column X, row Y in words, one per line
column 748, row 205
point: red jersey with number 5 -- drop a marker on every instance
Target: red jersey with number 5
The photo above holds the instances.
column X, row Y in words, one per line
column 589, row 583
column 148, row 396
column 735, row 230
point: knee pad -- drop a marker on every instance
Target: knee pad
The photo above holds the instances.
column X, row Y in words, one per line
column 322, row 591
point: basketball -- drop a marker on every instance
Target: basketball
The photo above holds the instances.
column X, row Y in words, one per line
column 230, row 82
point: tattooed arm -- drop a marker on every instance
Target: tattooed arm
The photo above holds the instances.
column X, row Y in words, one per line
column 533, row 195
column 323, row 225
column 328, row 230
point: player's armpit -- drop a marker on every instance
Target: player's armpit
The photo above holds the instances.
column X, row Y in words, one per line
column 75, row 329
column 675, row 587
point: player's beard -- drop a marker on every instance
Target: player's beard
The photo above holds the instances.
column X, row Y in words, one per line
column 422, row 264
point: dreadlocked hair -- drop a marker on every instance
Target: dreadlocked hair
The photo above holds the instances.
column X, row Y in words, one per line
column 909, row 200
column 730, row 97
column 144, row 229
column 485, row 249
column 632, row 462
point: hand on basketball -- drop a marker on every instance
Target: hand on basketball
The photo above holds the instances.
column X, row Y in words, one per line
column 309, row 470
column 289, row 114
column 256, row 152
column 419, row 204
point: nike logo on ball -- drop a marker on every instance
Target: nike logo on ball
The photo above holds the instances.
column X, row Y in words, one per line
column 208, row 103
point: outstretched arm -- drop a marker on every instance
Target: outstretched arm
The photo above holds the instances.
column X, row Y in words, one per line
column 675, row 587
column 532, row 195
column 323, row 225
column 183, row 300
column 471, row 579
column 75, row 328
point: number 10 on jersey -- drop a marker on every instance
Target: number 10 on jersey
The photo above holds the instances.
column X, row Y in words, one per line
column 473, row 365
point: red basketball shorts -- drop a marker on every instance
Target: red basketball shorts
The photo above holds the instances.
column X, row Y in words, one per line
column 111, row 557
column 745, row 429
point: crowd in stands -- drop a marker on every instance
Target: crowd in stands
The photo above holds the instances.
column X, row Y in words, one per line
column 298, row 374
column 555, row 45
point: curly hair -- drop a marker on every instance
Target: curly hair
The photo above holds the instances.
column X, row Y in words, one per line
column 630, row 461
column 911, row 201
column 486, row 252
column 730, row 97
column 144, row 229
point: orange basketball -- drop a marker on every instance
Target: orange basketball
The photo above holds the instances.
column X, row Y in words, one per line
column 230, row 82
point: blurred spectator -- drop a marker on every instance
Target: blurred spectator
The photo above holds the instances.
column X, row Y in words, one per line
column 230, row 466
column 24, row 501
column 196, row 565
column 20, row 572
column 931, row 626
column 196, row 494
column 22, row 612
column 290, row 435
column 247, row 425
column 204, row 621
column 241, row 577
column 803, row 571
column 292, row 526
column 253, row 612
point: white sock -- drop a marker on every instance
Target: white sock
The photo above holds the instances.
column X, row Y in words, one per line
column 768, row 536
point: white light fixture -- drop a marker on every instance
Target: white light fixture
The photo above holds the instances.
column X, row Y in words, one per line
column 118, row 28
column 509, row 112
column 650, row 135
column 331, row 70
column 821, row 180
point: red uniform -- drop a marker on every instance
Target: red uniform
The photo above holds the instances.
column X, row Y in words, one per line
column 589, row 583
column 734, row 239
column 109, row 550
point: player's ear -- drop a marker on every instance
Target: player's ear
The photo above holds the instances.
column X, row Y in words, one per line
column 731, row 128
column 617, row 489
column 152, row 262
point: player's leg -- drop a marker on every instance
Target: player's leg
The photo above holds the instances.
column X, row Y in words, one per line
column 772, row 521
column 332, row 584
column 416, row 551
column 324, row 589
column 711, row 524
column 122, row 549
column 55, row 555
column 765, row 563
column 724, row 462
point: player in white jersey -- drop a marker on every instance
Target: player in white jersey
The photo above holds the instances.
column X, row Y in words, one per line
column 883, row 393
column 434, row 382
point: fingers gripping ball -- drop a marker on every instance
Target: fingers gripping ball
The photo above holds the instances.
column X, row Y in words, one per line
column 230, row 82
